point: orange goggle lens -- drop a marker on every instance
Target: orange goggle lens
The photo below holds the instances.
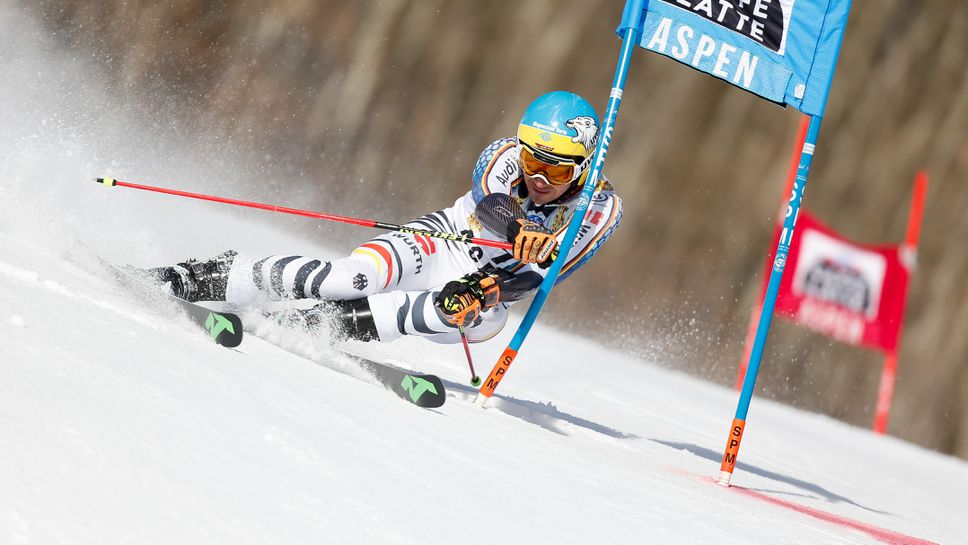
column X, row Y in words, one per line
column 557, row 174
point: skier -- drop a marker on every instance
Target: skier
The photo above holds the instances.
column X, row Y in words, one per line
column 401, row 284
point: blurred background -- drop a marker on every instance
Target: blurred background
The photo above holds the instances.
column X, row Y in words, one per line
column 380, row 109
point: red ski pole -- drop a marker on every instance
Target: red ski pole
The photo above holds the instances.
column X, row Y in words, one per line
column 456, row 237
column 475, row 380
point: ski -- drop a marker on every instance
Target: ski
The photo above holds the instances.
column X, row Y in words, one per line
column 422, row 390
column 225, row 328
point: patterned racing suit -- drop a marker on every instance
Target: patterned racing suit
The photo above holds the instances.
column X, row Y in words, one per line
column 401, row 274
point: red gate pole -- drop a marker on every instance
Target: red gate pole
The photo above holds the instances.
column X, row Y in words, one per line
column 885, row 392
column 787, row 190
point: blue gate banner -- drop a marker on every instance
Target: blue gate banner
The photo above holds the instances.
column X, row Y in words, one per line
column 783, row 50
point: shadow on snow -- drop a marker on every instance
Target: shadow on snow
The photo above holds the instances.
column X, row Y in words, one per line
column 545, row 414
column 814, row 490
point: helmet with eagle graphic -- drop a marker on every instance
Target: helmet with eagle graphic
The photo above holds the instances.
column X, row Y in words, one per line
column 557, row 136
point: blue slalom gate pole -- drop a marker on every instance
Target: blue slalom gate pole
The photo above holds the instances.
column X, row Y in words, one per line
column 633, row 13
column 769, row 303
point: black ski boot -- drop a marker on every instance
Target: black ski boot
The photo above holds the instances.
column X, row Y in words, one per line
column 195, row 280
column 346, row 319
column 353, row 319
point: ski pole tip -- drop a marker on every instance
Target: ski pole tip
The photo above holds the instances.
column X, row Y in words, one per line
column 475, row 381
column 109, row 182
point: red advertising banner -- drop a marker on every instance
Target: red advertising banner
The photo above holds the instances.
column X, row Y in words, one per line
column 852, row 292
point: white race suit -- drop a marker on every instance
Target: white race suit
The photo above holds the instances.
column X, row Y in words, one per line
column 401, row 274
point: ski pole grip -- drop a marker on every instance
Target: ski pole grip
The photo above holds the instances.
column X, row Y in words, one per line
column 109, row 182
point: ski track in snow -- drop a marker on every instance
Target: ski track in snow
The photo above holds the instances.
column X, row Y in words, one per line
column 17, row 274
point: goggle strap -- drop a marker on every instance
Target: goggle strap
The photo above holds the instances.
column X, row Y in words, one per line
column 547, row 158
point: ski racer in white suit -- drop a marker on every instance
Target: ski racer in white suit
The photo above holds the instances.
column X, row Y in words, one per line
column 401, row 284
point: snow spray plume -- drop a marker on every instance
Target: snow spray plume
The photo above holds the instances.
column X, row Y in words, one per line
column 65, row 114
column 456, row 237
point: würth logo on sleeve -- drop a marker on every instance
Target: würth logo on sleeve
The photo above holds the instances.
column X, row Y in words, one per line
column 764, row 21
column 427, row 244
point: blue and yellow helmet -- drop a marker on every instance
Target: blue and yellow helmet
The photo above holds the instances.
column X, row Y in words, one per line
column 561, row 124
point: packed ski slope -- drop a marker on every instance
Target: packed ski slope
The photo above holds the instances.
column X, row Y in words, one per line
column 123, row 424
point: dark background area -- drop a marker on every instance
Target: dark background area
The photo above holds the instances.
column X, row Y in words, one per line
column 380, row 108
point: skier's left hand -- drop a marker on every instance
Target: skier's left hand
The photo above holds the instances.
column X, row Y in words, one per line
column 462, row 300
column 533, row 242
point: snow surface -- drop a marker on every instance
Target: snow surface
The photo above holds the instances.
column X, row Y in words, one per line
column 120, row 423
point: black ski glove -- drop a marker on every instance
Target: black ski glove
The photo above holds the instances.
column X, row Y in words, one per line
column 461, row 301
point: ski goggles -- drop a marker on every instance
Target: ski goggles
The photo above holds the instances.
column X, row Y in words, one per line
column 556, row 170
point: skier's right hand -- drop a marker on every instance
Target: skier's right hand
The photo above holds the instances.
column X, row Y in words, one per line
column 461, row 301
